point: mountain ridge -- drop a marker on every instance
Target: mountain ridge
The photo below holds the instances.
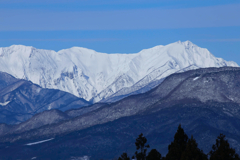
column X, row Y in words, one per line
column 154, row 100
column 111, row 128
column 20, row 99
column 96, row 76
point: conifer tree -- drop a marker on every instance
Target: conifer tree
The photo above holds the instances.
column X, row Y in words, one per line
column 141, row 145
column 154, row 155
column 192, row 152
column 178, row 146
column 124, row 156
column 222, row 150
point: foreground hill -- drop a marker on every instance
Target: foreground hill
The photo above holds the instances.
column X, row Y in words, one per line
column 21, row 99
column 99, row 76
column 204, row 101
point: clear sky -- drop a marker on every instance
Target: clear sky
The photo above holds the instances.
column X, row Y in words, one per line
column 122, row 26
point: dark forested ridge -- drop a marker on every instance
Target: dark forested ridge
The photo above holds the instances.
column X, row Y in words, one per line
column 205, row 102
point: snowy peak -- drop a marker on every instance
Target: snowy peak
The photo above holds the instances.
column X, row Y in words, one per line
column 92, row 75
column 187, row 43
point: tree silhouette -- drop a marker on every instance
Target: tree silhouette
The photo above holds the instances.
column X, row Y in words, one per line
column 192, row 152
column 141, row 145
column 154, row 155
column 124, row 156
column 178, row 146
column 222, row 150
column 183, row 148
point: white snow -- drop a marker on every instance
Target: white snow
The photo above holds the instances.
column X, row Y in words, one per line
column 4, row 103
column 194, row 79
column 229, row 114
column 89, row 74
column 33, row 143
column 50, row 107
column 38, row 90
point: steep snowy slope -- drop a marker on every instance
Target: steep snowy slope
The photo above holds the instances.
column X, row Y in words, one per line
column 97, row 76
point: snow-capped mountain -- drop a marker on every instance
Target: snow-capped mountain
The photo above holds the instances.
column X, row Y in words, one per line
column 92, row 75
column 205, row 101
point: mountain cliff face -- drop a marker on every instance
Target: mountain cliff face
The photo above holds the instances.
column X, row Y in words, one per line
column 98, row 76
column 204, row 101
column 21, row 99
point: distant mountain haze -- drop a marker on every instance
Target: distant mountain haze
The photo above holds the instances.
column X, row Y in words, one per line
column 102, row 77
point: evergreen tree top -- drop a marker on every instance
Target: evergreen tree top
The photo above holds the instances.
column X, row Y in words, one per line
column 221, row 150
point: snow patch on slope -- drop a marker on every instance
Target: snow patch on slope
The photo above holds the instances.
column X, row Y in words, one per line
column 38, row 142
column 4, row 103
column 194, row 79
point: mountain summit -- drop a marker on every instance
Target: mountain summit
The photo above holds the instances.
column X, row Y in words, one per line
column 97, row 76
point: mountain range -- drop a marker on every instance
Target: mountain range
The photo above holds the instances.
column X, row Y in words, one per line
column 103, row 77
column 21, row 99
column 78, row 102
column 205, row 102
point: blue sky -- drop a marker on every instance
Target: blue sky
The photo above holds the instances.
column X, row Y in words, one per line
column 122, row 26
